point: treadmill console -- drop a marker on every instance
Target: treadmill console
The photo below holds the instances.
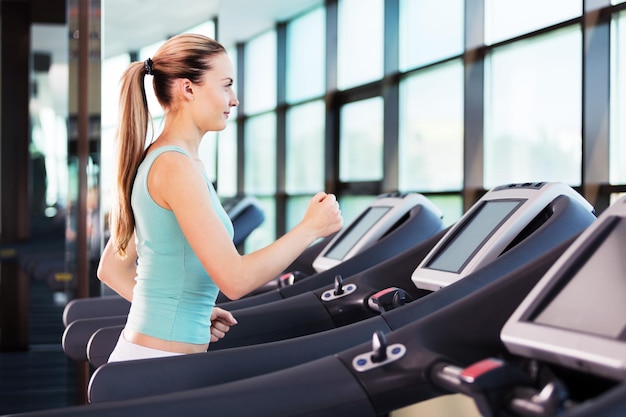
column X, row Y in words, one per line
column 498, row 221
column 374, row 223
column 576, row 315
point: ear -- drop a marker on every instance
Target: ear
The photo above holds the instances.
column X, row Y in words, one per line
column 185, row 89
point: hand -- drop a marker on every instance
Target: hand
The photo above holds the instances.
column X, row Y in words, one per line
column 323, row 215
column 221, row 321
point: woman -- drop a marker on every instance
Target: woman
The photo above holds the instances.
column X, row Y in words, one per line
column 171, row 247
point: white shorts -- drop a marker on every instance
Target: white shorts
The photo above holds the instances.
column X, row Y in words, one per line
column 127, row 351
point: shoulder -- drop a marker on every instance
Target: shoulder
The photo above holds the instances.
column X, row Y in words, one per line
column 169, row 161
column 172, row 174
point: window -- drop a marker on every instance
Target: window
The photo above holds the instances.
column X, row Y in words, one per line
column 227, row 160
column 533, row 110
column 260, row 154
column 263, row 235
column 208, row 154
column 430, row 30
column 361, row 141
column 305, row 148
column 260, row 73
column 431, row 129
column 306, row 56
column 505, row 19
column 360, row 42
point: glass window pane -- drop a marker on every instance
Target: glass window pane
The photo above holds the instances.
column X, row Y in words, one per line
column 207, row 29
column 296, row 207
column 430, row 30
column 305, row 148
column 353, row 205
column 260, row 73
column 532, row 110
column 260, row 154
column 306, row 56
column 232, row 55
column 361, row 141
column 227, row 160
column 617, row 169
column 450, row 205
column 208, row 154
column 505, row 19
column 431, row 129
column 360, row 42
column 266, row 232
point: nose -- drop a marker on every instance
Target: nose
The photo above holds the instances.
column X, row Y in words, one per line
column 233, row 100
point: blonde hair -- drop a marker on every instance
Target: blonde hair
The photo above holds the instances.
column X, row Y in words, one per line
column 186, row 56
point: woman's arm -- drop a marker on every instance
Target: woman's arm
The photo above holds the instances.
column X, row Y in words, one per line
column 177, row 184
column 119, row 274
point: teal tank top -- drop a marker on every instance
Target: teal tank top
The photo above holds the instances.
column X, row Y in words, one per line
column 173, row 296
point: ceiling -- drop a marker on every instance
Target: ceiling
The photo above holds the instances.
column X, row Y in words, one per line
column 129, row 25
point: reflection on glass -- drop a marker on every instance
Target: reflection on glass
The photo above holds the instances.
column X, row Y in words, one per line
column 505, row 19
column 361, row 141
column 360, row 42
column 260, row 73
column 532, row 110
column 260, row 154
column 306, row 58
column 48, row 109
column 431, row 129
column 305, row 148
column 617, row 169
column 430, row 30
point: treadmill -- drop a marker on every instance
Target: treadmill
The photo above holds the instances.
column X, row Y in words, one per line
column 568, row 217
column 391, row 371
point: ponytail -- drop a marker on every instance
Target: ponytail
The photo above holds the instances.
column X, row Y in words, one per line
column 130, row 148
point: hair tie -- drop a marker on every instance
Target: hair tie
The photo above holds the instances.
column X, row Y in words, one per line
column 147, row 66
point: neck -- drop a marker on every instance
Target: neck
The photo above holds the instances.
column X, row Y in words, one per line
column 182, row 135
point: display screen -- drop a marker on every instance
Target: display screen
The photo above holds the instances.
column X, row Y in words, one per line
column 458, row 250
column 362, row 225
column 593, row 300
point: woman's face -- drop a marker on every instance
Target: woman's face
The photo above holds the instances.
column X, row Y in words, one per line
column 214, row 98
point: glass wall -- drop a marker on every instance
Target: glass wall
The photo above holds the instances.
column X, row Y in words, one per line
column 430, row 30
column 505, row 19
column 360, row 97
column 360, row 42
column 361, row 141
column 431, row 129
column 533, row 105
